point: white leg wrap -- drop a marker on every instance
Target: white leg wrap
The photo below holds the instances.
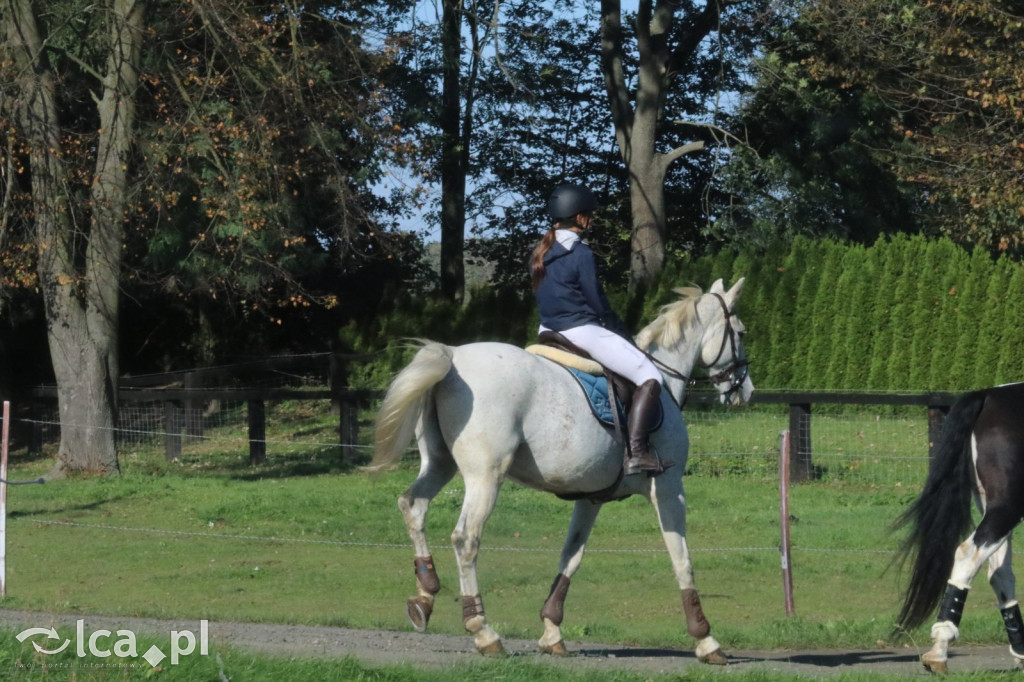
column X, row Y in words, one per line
column 552, row 635
column 487, row 640
column 706, row 646
column 945, row 631
column 1019, row 657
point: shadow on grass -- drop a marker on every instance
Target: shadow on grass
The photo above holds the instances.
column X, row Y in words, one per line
column 827, row 659
column 290, row 470
column 818, row 659
column 239, row 468
column 71, row 509
column 633, row 652
column 19, row 454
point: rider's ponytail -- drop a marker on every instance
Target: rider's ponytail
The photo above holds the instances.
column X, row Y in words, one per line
column 537, row 270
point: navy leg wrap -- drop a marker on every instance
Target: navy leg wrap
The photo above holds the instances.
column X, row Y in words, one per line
column 1014, row 628
column 952, row 606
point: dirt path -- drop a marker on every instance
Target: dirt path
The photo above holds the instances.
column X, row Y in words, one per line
column 379, row 647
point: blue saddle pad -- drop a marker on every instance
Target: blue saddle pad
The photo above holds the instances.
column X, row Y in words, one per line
column 596, row 390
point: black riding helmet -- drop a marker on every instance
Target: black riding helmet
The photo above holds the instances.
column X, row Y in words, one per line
column 568, row 199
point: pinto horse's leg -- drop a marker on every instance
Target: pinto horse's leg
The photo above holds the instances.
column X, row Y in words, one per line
column 584, row 514
column 988, row 538
column 481, row 494
column 436, row 469
column 669, row 501
column 1004, row 584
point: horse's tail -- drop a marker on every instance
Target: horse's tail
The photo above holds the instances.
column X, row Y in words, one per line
column 941, row 517
column 405, row 400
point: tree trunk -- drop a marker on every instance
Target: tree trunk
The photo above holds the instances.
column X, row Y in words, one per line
column 636, row 121
column 647, row 197
column 80, row 292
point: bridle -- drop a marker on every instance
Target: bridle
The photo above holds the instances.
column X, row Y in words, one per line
column 735, row 372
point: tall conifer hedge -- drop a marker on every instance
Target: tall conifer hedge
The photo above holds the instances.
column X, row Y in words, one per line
column 905, row 314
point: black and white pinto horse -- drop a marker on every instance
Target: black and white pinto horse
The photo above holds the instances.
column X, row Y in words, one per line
column 980, row 453
column 493, row 412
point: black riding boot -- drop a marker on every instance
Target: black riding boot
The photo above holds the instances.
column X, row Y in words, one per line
column 643, row 417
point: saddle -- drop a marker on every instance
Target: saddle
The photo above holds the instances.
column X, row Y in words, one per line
column 605, row 391
column 556, row 347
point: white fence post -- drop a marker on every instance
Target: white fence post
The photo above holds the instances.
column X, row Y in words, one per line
column 3, row 501
column 787, row 572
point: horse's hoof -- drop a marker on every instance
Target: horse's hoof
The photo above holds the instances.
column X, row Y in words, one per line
column 556, row 649
column 494, row 649
column 933, row 666
column 418, row 610
column 715, row 657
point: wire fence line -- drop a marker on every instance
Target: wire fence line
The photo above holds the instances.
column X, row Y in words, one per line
column 231, row 537
column 879, row 446
column 211, row 427
column 128, row 437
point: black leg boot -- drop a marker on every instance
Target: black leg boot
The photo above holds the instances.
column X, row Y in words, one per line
column 643, row 417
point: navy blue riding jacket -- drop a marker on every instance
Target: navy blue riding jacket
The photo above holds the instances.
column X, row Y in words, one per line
column 570, row 295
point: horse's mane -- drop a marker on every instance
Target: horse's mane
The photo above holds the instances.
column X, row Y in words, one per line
column 667, row 329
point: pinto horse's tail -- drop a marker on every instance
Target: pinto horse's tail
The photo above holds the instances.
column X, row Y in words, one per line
column 405, row 401
column 941, row 517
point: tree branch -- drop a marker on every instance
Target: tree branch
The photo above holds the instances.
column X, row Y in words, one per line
column 614, row 74
column 687, row 46
column 682, row 151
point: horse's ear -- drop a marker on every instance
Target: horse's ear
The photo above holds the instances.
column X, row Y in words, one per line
column 734, row 293
column 718, row 287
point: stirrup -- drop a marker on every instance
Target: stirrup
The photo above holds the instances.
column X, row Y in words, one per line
column 636, row 465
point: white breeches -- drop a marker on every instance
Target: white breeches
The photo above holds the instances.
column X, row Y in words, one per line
column 614, row 352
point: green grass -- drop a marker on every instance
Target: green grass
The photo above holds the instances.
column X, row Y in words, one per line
column 335, row 552
column 306, row 539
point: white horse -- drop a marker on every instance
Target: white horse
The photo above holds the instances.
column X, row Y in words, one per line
column 493, row 411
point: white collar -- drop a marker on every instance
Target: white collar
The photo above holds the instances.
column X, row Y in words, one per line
column 567, row 237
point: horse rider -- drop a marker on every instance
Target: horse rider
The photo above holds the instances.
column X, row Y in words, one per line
column 572, row 302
